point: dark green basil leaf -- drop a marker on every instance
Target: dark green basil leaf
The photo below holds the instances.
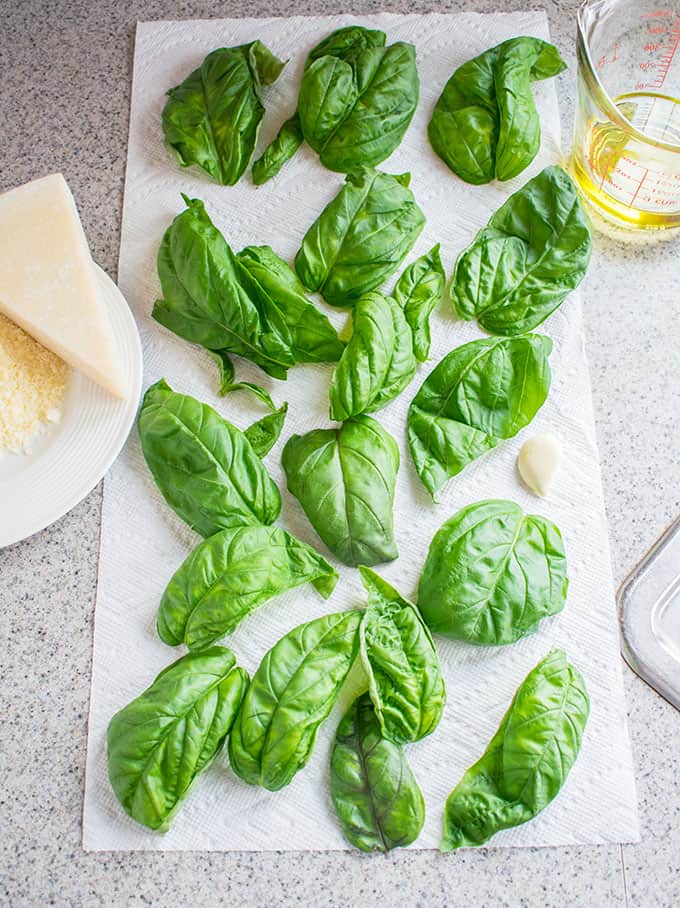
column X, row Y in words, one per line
column 264, row 433
column 344, row 479
column 527, row 760
column 312, row 337
column 374, row 792
column 485, row 124
column 204, row 466
column 520, row 267
column 347, row 43
column 291, row 694
column 404, row 674
column 213, row 117
column 360, row 237
column 492, row 573
column 418, row 291
column 378, row 362
column 282, row 149
column 228, row 381
column 159, row 743
column 480, row 393
column 229, row 575
column 327, row 95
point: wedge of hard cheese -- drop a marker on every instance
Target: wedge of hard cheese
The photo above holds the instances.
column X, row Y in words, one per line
column 47, row 280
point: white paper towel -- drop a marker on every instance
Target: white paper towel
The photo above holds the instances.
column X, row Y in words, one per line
column 143, row 542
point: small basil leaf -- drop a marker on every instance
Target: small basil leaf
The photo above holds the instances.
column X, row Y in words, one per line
column 375, row 795
column 212, row 118
column 159, row 743
column 205, row 468
column 528, row 759
column 418, row 291
column 290, row 695
column 264, row 433
column 227, row 376
column 282, row 149
column 344, row 479
column 229, row 575
column 327, row 95
column 360, row 237
column 520, row 267
column 347, row 43
column 480, row 393
column 400, row 659
column 520, row 579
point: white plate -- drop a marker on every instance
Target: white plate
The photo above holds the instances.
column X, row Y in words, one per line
column 67, row 460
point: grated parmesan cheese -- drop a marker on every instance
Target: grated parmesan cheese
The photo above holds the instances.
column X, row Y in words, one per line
column 32, row 385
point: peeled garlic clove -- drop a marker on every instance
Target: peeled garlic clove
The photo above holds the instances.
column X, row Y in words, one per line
column 538, row 461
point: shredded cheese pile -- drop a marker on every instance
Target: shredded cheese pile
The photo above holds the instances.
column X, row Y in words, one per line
column 32, row 386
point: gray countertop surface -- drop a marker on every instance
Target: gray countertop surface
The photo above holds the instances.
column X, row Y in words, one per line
column 66, row 67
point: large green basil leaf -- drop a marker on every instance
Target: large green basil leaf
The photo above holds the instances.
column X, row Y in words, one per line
column 213, row 117
column 378, row 362
column 418, row 291
column 520, row 267
column 205, row 468
column 492, row 574
column 360, row 237
column 344, row 479
column 159, row 743
column 290, row 695
column 485, row 125
column 404, row 674
column 282, row 149
column 264, row 433
column 312, row 337
column 229, row 575
column 375, row 795
column 480, row 393
column 527, row 760
column 210, row 299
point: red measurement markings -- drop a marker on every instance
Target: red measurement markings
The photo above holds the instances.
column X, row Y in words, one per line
column 637, row 191
column 665, row 61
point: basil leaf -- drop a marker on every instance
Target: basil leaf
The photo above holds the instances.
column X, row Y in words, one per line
column 327, row 95
column 534, row 250
column 374, row 792
column 347, row 43
column 480, row 393
column 229, row 575
column 520, row 578
column 213, row 117
column 205, row 468
column 159, row 743
column 528, row 759
column 290, row 695
column 344, row 479
column 400, row 659
column 264, row 433
column 418, row 291
column 228, row 376
column 282, row 149
column 312, row 337
column 209, row 298
column 360, row 237
column 378, row 362
column 485, row 125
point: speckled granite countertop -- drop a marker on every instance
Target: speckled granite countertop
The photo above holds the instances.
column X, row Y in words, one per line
column 65, row 68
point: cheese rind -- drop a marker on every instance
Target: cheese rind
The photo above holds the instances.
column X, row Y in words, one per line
column 47, row 280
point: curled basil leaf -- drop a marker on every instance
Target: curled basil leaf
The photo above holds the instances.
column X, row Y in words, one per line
column 205, row 468
column 378, row 362
column 485, row 125
column 534, row 250
column 344, row 479
column 229, row 575
column 264, row 433
column 212, row 118
column 159, row 743
column 360, row 237
column 479, row 394
column 282, row 149
column 418, row 291
column 492, row 574
column 528, row 759
column 228, row 382
column 405, row 678
column 375, row 795
column 290, row 695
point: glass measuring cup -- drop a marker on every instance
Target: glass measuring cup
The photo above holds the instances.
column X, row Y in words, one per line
column 626, row 156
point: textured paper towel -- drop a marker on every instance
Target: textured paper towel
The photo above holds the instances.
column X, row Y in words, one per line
column 143, row 542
